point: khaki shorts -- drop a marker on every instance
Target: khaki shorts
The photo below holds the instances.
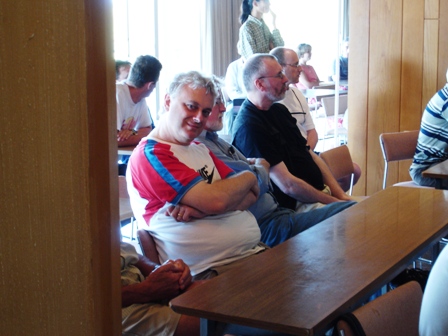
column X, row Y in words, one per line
column 149, row 320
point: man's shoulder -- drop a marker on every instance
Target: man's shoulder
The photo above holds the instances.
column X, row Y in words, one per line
column 121, row 87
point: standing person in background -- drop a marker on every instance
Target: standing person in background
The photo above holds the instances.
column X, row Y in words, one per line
column 235, row 90
column 343, row 63
column 308, row 78
column 234, row 80
column 255, row 36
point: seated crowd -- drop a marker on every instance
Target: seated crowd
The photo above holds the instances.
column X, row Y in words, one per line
column 210, row 204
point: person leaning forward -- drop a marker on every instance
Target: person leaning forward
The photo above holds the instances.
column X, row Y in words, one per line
column 191, row 202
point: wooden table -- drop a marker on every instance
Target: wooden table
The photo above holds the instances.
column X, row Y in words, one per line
column 439, row 171
column 125, row 150
column 303, row 285
column 321, row 93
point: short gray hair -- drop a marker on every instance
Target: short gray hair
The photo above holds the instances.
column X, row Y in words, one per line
column 194, row 80
column 279, row 53
column 254, row 67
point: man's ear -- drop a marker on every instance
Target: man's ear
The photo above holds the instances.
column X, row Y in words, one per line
column 167, row 102
column 259, row 84
column 150, row 86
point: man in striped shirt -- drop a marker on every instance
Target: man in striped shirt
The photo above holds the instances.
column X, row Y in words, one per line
column 432, row 145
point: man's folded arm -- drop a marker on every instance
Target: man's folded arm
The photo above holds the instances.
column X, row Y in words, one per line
column 236, row 192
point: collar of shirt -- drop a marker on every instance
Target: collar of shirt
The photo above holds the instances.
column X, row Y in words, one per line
column 213, row 136
column 255, row 20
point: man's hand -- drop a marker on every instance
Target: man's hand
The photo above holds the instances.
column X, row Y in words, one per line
column 184, row 213
column 259, row 161
column 124, row 134
column 164, row 283
column 168, row 280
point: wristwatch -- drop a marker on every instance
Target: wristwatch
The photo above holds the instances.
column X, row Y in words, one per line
column 134, row 132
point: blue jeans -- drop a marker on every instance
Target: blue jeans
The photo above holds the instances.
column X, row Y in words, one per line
column 284, row 223
column 417, row 177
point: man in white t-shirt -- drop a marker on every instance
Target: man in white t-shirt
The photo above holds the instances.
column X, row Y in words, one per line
column 133, row 118
column 192, row 203
column 294, row 100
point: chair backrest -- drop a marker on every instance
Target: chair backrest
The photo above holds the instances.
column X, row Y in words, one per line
column 397, row 146
column 328, row 105
column 122, row 187
column 148, row 245
column 340, row 163
column 394, row 313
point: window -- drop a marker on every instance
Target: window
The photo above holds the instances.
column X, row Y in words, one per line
column 168, row 30
column 178, row 34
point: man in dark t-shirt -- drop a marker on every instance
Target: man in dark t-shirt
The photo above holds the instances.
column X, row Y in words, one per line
column 302, row 181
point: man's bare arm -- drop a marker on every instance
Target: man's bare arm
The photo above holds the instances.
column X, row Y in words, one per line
column 297, row 188
column 128, row 138
column 312, row 138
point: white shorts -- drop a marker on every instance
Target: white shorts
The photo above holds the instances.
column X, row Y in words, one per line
column 150, row 319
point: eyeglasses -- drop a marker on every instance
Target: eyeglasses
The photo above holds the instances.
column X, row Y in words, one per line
column 297, row 65
column 280, row 75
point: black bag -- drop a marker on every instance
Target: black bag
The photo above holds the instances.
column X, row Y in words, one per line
column 411, row 274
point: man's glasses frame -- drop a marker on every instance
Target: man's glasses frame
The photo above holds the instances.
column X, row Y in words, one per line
column 280, row 75
column 293, row 65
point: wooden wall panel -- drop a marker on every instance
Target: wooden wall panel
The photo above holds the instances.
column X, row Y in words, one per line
column 395, row 100
column 59, row 252
column 430, row 57
column 432, row 9
column 384, row 82
column 443, row 45
column 359, row 65
column 411, row 73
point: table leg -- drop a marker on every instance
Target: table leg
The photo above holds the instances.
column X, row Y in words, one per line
column 209, row 328
column 435, row 252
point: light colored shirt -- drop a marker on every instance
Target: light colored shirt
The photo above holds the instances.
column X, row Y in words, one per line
column 234, row 80
column 130, row 115
column 159, row 174
column 434, row 310
column 297, row 105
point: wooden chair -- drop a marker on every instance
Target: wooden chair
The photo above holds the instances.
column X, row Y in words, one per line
column 394, row 313
column 398, row 146
column 148, row 245
column 125, row 204
column 340, row 163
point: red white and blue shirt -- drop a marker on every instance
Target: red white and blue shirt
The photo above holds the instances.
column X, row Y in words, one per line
column 159, row 175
